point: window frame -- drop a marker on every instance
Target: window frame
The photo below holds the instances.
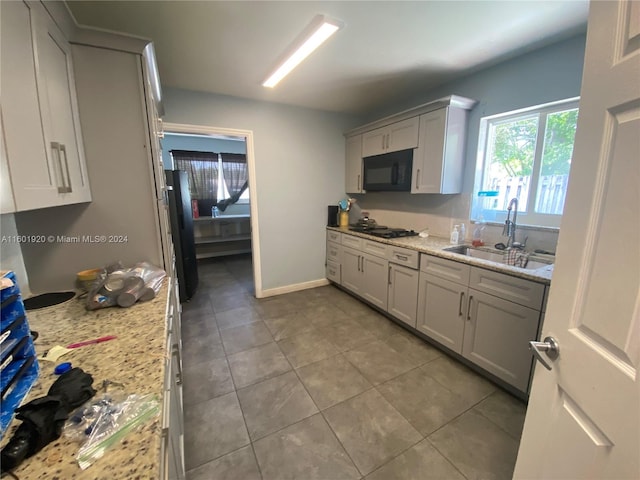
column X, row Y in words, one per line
column 528, row 217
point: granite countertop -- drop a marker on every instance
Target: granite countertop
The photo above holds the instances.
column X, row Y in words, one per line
column 136, row 358
column 436, row 246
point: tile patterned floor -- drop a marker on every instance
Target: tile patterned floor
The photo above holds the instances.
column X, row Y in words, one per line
column 316, row 385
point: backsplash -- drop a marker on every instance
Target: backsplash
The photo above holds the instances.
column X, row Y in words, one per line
column 439, row 213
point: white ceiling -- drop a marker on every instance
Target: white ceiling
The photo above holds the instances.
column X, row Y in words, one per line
column 388, row 50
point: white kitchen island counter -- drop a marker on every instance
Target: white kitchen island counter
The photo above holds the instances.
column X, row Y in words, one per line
column 137, row 358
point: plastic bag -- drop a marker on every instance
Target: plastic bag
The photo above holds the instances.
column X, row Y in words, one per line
column 105, row 422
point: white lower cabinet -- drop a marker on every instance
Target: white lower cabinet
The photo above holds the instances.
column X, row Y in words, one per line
column 366, row 276
column 351, row 273
column 403, row 293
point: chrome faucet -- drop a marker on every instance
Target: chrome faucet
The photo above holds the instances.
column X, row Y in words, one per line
column 510, row 226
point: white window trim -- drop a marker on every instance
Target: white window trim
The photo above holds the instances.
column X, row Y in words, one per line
column 530, row 218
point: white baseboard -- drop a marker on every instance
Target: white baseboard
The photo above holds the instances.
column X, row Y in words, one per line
column 270, row 292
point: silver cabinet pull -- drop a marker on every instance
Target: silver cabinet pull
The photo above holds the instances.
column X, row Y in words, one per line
column 460, row 306
column 358, row 182
column 176, row 352
column 469, row 307
column 418, row 179
column 389, row 275
column 362, row 264
column 549, row 346
column 358, row 262
column 63, row 149
column 402, row 257
column 55, row 149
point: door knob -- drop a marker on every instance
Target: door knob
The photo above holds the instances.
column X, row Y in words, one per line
column 549, row 346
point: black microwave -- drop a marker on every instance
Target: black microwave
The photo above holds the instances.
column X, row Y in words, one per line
column 389, row 172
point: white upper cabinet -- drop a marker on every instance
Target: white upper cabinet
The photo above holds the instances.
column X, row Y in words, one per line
column 44, row 149
column 391, row 138
column 353, row 164
column 438, row 162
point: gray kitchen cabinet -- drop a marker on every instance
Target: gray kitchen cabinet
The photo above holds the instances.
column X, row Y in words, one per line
column 351, row 270
column 353, row 164
column 394, row 137
column 438, row 162
column 334, row 262
column 43, row 140
column 441, row 310
column 375, row 283
column 403, row 293
column 496, row 337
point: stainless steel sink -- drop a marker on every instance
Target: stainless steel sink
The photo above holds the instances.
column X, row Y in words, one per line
column 495, row 256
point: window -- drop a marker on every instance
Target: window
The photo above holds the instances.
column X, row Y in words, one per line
column 525, row 155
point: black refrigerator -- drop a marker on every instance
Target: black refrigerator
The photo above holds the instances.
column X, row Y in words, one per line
column 182, row 232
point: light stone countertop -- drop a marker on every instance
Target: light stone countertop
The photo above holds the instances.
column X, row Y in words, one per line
column 136, row 358
column 436, row 245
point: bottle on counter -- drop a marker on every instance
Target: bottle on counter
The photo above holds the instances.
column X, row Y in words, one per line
column 463, row 234
column 455, row 234
column 478, row 232
column 215, row 211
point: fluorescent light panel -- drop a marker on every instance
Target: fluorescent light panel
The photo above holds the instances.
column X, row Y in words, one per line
column 320, row 29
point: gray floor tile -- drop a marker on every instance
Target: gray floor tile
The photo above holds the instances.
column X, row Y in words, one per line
column 200, row 349
column 325, row 315
column 257, row 364
column 245, row 337
column 371, row 430
column 206, row 380
column 288, row 325
column 307, row 450
column 505, row 411
column 274, row 404
column 201, row 327
column 332, row 381
column 238, row 465
column 416, row 350
column 458, row 378
column 236, row 317
column 306, row 348
column 423, row 401
column 378, row 362
column 213, row 428
column 274, row 307
column 421, row 461
column 347, row 334
column 229, row 302
column 379, row 325
column 477, row 447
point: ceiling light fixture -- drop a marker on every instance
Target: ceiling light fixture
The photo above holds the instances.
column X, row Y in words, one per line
column 318, row 31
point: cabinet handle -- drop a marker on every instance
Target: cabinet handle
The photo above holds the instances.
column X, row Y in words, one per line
column 460, row 306
column 63, row 149
column 402, row 257
column 418, row 179
column 469, row 307
column 358, row 182
column 389, row 275
column 383, row 141
column 362, row 264
column 358, row 262
column 179, row 363
column 160, row 128
column 55, row 149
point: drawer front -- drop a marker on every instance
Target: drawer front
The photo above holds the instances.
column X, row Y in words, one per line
column 333, row 271
column 404, row 256
column 517, row 290
column 352, row 241
column 334, row 252
column 333, row 236
column 447, row 269
column 375, row 248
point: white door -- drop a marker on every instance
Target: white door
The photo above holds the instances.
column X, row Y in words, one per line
column 583, row 419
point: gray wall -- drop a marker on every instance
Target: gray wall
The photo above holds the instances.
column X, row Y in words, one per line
column 299, row 156
column 203, row 144
column 544, row 75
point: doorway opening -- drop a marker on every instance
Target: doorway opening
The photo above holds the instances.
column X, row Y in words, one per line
column 225, row 217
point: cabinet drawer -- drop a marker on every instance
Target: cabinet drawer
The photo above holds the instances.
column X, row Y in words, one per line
column 404, row 256
column 517, row 290
column 334, row 252
column 447, row 269
column 333, row 236
column 333, row 271
column 352, row 241
column 375, row 248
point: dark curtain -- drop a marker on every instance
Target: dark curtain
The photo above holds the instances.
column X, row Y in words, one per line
column 202, row 170
column 234, row 172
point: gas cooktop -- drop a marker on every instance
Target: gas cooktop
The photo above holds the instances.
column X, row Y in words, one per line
column 384, row 232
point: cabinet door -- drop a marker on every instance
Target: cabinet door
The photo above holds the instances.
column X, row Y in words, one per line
column 428, row 159
column 351, row 270
column 353, row 164
column 374, row 272
column 7, row 205
column 442, row 307
column 176, row 429
column 403, row 293
column 403, row 135
column 59, row 109
column 34, row 179
column 374, row 142
column 497, row 335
